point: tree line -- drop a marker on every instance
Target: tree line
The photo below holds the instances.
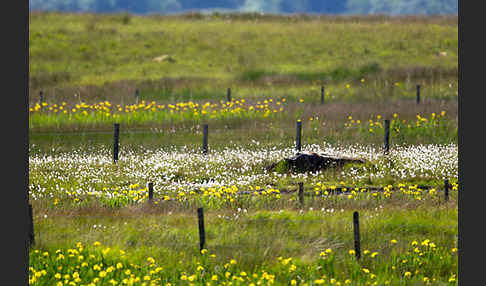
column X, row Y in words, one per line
column 390, row 7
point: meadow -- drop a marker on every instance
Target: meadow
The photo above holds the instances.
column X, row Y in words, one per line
column 91, row 57
column 94, row 222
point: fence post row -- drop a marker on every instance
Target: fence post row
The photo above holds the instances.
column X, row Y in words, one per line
column 205, row 139
column 31, row 227
column 116, row 141
column 357, row 247
column 202, row 233
column 387, row 136
column 322, row 94
column 418, row 93
column 298, row 136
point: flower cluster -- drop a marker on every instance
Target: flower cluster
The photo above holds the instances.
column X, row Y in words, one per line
column 49, row 115
column 227, row 175
column 422, row 262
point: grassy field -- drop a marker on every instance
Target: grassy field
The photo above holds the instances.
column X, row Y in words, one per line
column 94, row 223
column 108, row 57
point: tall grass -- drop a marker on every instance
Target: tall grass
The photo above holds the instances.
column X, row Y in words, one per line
column 172, row 241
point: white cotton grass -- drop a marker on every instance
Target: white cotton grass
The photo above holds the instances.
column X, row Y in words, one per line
column 186, row 169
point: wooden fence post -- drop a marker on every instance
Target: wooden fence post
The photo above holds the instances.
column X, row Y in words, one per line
column 446, row 190
column 387, row 136
column 202, row 233
column 322, row 94
column 301, row 193
column 205, row 139
column 31, row 227
column 357, row 247
column 298, row 136
column 41, row 97
column 228, row 94
column 136, row 96
column 151, row 191
column 116, row 141
column 418, row 93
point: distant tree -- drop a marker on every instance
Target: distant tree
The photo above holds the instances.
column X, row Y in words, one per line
column 289, row 6
column 267, row 6
column 104, row 6
column 57, row 5
column 396, row 7
column 208, row 4
column 138, row 6
column 327, row 7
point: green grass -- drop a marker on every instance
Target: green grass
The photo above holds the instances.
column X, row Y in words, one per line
column 172, row 240
column 329, row 124
column 103, row 55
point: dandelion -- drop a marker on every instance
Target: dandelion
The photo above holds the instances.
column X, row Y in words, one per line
column 150, row 260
